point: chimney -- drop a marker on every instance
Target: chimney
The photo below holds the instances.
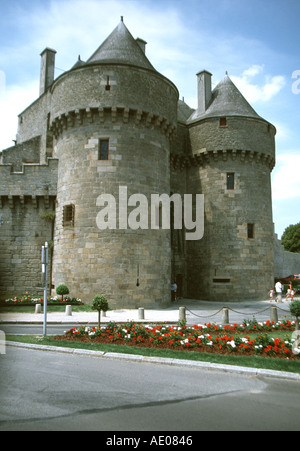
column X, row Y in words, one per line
column 142, row 44
column 47, row 69
column 204, row 90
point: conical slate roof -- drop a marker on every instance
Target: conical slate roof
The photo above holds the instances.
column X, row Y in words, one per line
column 226, row 100
column 183, row 111
column 121, row 47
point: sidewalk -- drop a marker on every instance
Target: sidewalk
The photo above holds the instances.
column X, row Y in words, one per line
column 197, row 312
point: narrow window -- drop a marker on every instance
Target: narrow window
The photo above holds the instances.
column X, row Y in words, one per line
column 107, row 87
column 250, row 230
column 230, row 180
column 221, row 280
column 68, row 215
column 223, row 122
column 103, row 149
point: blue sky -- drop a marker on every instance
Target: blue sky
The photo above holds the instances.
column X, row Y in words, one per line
column 256, row 41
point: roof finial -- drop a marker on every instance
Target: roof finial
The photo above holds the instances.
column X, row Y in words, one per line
column 226, row 73
column 122, row 18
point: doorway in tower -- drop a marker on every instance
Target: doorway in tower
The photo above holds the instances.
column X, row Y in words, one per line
column 179, row 282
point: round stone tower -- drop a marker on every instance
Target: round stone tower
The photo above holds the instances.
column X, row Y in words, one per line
column 113, row 118
column 232, row 153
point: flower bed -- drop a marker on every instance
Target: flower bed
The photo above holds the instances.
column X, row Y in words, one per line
column 32, row 300
column 203, row 338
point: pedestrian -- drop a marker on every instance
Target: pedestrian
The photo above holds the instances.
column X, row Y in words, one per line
column 292, row 294
column 289, row 290
column 173, row 291
column 271, row 293
column 278, row 289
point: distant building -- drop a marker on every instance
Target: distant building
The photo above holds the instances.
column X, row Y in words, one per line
column 114, row 121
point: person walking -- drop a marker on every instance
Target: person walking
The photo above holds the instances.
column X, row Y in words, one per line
column 173, row 291
column 289, row 291
column 278, row 289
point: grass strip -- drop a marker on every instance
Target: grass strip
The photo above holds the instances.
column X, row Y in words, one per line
column 271, row 363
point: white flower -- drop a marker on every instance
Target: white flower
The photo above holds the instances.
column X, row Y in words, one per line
column 231, row 343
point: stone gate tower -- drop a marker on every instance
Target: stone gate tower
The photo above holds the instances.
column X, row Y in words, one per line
column 232, row 151
column 113, row 118
column 109, row 131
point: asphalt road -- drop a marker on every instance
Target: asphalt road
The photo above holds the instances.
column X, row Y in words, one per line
column 35, row 329
column 42, row 391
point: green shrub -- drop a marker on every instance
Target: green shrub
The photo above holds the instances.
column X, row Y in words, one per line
column 62, row 290
column 100, row 303
column 295, row 310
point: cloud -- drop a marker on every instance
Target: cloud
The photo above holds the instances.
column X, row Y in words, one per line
column 265, row 90
column 13, row 100
column 2, row 83
column 285, row 178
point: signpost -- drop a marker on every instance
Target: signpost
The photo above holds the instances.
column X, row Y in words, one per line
column 45, row 261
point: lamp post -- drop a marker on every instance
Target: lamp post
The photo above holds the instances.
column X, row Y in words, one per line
column 45, row 261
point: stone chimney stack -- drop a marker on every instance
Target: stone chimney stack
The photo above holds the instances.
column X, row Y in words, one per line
column 204, row 90
column 47, row 69
column 142, row 44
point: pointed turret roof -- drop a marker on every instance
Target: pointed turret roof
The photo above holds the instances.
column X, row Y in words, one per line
column 121, row 47
column 226, row 100
column 79, row 63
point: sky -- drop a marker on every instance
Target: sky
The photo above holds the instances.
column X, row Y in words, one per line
column 256, row 42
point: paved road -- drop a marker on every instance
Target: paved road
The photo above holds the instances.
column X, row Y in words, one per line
column 52, row 391
column 34, row 329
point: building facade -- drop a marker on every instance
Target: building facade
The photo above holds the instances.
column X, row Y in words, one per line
column 108, row 131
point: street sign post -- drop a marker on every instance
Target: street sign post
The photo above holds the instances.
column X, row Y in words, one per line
column 45, row 260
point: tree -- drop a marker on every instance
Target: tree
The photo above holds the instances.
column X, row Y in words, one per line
column 291, row 238
column 62, row 289
column 100, row 303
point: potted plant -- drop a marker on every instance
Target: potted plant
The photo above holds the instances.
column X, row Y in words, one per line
column 100, row 303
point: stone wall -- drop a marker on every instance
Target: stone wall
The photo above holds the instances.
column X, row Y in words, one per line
column 24, row 196
column 286, row 263
column 27, row 152
column 34, row 121
column 22, row 233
